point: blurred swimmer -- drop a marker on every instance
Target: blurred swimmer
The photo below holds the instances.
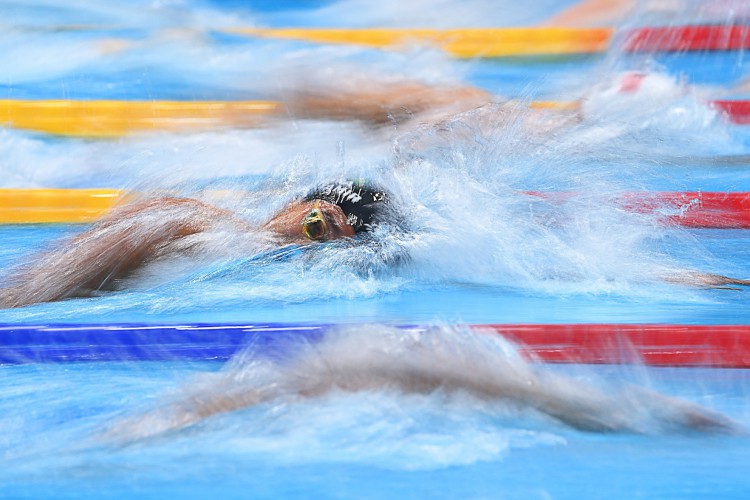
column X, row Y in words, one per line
column 381, row 102
column 442, row 361
column 404, row 110
column 134, row 234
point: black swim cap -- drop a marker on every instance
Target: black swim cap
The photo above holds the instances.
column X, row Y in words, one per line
column 362, row 205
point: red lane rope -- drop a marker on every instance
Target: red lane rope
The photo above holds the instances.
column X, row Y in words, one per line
column 687, row 38
column 737, row 111
column 725, row 346
column 694, row 209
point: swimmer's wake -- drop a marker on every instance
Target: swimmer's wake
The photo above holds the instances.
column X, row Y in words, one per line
column 443, row 360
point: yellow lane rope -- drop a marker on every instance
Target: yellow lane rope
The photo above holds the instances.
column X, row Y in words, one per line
column 465, row 43
column 109, row 119
column 458, row 42
column 113, row 119
column 36, row 206
column 40, row 205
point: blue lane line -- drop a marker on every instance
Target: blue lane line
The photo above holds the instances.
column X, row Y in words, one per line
column 139, row 342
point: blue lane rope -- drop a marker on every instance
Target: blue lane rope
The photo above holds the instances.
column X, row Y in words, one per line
column 140, row 342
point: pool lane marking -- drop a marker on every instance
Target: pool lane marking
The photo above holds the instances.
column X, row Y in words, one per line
column 737, row 111
column 715, row 37
column 513, row 42
column 717, row 210
column 726, row 346
column 36, row 206
column 719, row 346
column 693, row 209
column 524, row 42
column 462, row 43
column 535, row 41
column 111, row 119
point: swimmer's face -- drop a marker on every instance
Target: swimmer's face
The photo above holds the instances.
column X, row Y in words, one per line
column 314, row 220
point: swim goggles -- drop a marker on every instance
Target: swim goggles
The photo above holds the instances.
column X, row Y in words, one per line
column 314, row 225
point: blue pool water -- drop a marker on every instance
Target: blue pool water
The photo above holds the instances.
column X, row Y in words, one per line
column 365, row 445
column 416, row 301
column 478, row 252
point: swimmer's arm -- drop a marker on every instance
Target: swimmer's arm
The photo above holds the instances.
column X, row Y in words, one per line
column 383, row 103
column 574, row 403
column 108, row 251
column 586, row 408
column 411, row 104
column 705, row 280
column 180, row 415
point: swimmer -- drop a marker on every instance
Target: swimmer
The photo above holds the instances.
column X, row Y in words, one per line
column 135, row 234
column 400, row 103
column 440, row 360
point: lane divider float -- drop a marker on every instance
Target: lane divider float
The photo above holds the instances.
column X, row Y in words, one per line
column 718, row 210
column 109, row 119
column 720, row 346
column 462, row 43
column 525, row 42
column 49, row 206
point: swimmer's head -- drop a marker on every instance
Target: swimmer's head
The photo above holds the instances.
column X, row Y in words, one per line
column 315, row 220
column 331, row 212
column 362, row 205
column 323, row 221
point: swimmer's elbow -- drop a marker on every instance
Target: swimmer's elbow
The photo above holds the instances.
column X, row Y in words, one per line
column 9, row 299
